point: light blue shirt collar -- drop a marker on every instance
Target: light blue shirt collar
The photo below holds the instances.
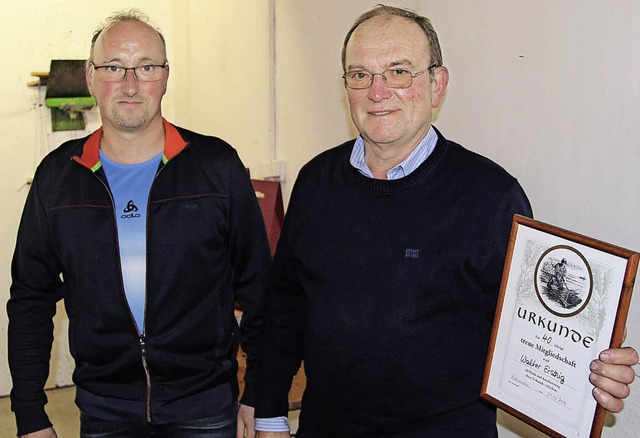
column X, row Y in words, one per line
column 408, row 165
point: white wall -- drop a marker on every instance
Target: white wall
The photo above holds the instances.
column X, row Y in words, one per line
column 221, row 83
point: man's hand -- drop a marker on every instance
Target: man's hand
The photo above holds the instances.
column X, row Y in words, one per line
column 246, row 423
column 44, row 433
column 273, row 435
column 611, row 375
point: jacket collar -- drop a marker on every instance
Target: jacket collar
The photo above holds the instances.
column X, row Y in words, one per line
column 90, row 158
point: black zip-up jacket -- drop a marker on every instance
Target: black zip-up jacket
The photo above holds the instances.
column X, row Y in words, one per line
column 206, row 247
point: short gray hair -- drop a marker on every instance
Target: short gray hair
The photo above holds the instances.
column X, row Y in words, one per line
column 389, row 11
column 126, row 15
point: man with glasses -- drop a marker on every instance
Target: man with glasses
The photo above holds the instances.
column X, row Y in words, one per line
column 386, row 275
column 150, row 233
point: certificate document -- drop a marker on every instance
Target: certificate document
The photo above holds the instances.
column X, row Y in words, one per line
column 563, row 299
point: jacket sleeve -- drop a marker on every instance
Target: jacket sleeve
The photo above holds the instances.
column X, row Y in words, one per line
column 251, row 260
column 36, row 287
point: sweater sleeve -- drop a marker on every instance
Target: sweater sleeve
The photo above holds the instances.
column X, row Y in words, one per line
column 284, row 328
column 514, row 202
column 250, row 258
column 35, row 289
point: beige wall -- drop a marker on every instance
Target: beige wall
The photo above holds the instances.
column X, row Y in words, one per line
column 547, row 89
column 221, row 84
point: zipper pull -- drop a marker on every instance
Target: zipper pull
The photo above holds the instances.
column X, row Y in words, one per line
column 143, row 346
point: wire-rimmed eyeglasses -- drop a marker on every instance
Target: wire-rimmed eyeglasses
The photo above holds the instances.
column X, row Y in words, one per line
column 117, row 73
column 393, row 77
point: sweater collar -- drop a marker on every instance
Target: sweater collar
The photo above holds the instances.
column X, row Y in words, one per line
column 424, row 170
column 90, row 158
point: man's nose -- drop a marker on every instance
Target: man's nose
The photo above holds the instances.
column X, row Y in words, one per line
column 130, row 82
column 378, row 89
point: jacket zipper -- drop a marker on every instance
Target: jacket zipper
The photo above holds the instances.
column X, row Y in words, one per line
column 143, row 345
column 143, row 348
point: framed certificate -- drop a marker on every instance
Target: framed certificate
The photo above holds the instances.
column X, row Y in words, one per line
column 564, row 298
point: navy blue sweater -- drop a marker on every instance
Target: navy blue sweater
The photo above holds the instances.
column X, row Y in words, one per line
column 387, row 290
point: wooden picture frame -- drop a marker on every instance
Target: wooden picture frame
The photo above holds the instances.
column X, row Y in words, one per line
column 564, row 298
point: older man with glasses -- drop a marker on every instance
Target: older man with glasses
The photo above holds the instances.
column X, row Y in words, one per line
column 387, row 271
column 150, row 233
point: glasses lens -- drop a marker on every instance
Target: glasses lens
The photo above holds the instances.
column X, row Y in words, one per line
column 149, row 73
column 397, row 78
column 110, row 73
column 358, row 79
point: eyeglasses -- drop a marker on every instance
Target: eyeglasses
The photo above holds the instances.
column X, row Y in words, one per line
column 393, row 77
column 116, row 73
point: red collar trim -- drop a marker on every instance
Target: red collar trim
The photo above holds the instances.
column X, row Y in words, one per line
column 173, row 141
column 173, row 145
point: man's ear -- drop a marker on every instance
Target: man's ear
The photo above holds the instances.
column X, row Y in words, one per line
column 166, row 81
column 89, row 78
column 439, row 85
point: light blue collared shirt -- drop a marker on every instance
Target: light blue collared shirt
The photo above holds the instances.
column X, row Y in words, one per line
column 411, row 163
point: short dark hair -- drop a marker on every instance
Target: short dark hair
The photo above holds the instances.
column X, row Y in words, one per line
column 383, row 10
column 126, row 15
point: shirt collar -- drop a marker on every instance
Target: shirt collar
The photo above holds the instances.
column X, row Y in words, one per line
column 417, row 156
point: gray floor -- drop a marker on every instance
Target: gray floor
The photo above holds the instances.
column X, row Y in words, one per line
column 64, row 414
